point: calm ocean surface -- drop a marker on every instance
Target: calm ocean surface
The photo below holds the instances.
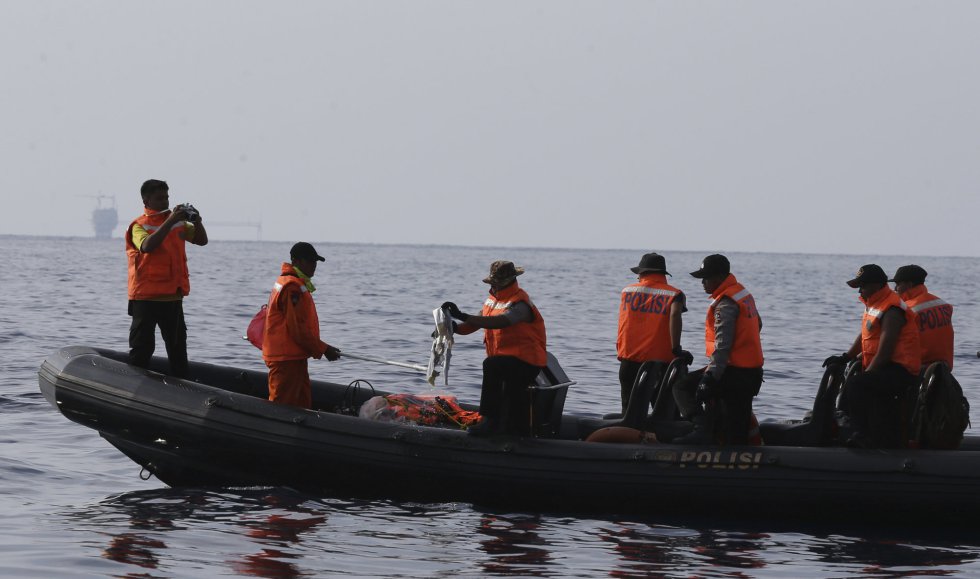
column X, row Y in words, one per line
column 75, row 507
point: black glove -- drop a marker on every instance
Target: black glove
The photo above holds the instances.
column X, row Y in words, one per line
column 684, row 355
column 839, row 360
column 707, row 388
column 331, row 353
column 454, row 311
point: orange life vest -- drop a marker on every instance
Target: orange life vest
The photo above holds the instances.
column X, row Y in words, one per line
column 429, row 410
column 163, row 271
column 747, row 348
column 277, row 344
column 644, row 320
column 907, row 348
column 935, row 318
column 525, row 341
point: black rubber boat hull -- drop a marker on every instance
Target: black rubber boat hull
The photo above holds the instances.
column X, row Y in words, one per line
column 188, row 433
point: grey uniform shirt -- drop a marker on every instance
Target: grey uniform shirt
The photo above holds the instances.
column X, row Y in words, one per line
column 726, row 313
column 519, row 312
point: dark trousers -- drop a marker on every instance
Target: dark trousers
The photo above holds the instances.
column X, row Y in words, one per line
column 504, row 399
column 731, row 412
column 628, row 371
column 627, row 375
column 169, row 316
column 874, row 403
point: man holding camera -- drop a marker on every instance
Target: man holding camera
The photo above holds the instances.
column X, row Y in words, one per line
column 158, row 277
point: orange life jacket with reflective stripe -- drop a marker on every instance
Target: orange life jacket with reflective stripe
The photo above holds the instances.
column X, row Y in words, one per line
column 163, row 271
column 525, row 340
column 277, row 344
column 907, row 348
column 747, row 348
column 644, row 320
column 935, row 323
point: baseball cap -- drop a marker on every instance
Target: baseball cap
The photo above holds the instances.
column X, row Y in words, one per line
column 304, row 250
column 870, row 273
column 713, row 265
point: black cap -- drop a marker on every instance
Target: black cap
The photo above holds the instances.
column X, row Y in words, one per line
column 651, row 263
column 912, row 273
column 713, row 265
column 869, row 273
column 303, row 250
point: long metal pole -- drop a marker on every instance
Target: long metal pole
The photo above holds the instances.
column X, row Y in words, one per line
column 416, row 367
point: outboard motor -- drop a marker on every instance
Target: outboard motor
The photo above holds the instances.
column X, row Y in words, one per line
column 547, row 399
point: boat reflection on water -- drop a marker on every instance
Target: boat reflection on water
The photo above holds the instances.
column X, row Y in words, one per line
column 152, row 515
column 653, row 550
column 514, row 546
column 139, row 545
column 285, row 534
column 277, row 532
column 134, row 549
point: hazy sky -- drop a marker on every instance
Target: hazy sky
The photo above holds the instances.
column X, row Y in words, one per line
column 825, row 127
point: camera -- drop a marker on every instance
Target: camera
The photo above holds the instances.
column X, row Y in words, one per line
column 192, row 215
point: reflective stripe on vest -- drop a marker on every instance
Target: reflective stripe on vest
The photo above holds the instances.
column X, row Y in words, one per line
column 747, row 347
column 907, row 346
column 161, row 272
column 525, row 340
column 924, row 306
column 644, row 320
column 934, row 318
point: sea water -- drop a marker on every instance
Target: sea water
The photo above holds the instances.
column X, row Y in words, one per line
column 73, row 506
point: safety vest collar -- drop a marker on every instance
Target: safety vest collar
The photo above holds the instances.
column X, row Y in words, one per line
column 290, row 269
column 501, row 299
column 880, row 298
column 722, row 290
column 914, row 292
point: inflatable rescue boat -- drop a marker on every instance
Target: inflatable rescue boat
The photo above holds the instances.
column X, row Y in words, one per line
column 216, row 428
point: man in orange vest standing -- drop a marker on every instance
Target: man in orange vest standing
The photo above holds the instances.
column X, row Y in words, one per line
column 722, row 391
column 934, row 315
column 158, row 276
column 515, row 339
column 292, row 329
column 649, row 323
column 889, row 349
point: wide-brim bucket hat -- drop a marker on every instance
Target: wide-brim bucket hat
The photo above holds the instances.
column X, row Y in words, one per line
column 503, row 272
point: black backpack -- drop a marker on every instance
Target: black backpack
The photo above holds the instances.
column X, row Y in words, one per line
column 942, row 413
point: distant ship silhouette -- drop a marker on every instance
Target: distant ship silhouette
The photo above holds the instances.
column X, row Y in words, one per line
column 104, row 219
